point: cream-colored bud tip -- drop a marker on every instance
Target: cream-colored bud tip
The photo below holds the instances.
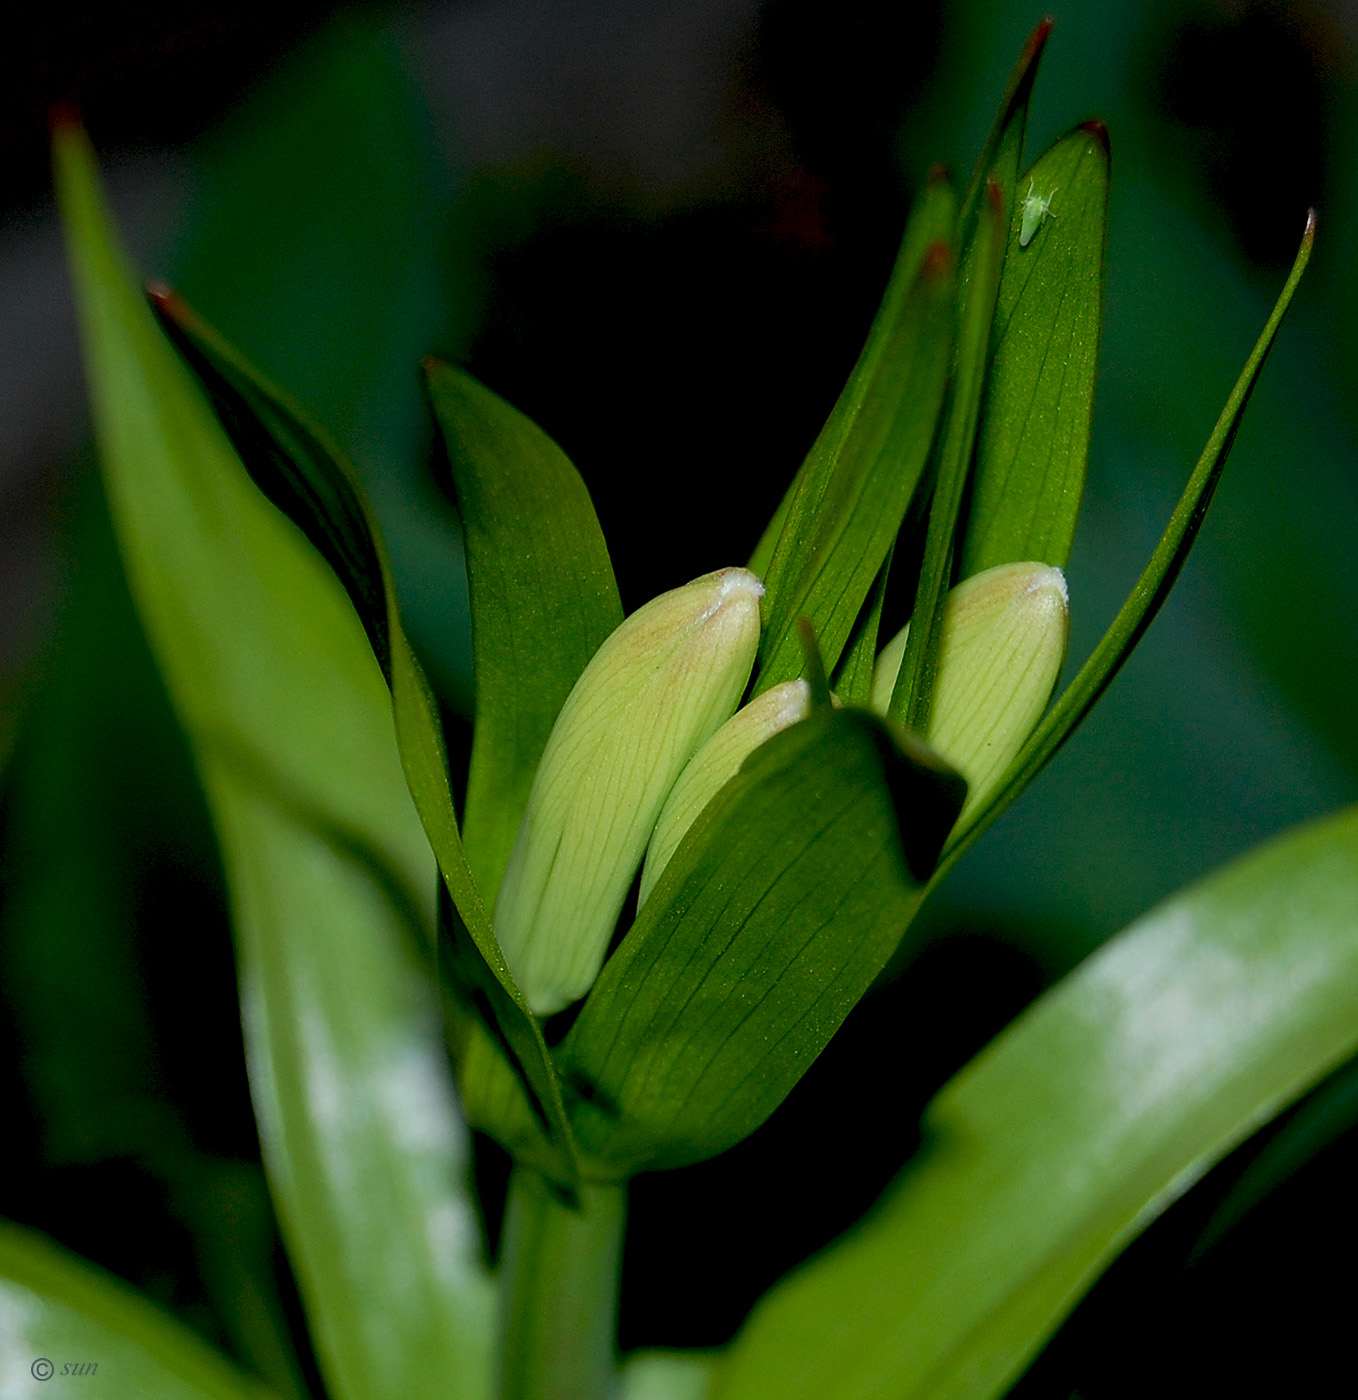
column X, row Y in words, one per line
column 1048, row 580
column 735, row 583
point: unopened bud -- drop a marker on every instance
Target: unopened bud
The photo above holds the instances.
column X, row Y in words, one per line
column 714, row 765
column 1004, row 639
column 652, row 695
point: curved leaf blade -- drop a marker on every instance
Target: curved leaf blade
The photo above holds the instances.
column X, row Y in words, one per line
column 1033, row 447
column 1003, row 151
column 59, row 1309
column 543, row 598
column 912, row 699
column 779, row 908
column 306, row 475
column 1076, row 1127
column 1151, row 589
column 851, row 494
column 329, row 871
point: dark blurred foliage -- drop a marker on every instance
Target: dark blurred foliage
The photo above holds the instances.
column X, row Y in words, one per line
column 685, row 362
column 1244, row 99
column 146, row 75
column 684, row 344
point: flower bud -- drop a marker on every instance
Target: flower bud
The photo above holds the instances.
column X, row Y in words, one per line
column 652, row 695
column 1004, row 639
column 714, row 765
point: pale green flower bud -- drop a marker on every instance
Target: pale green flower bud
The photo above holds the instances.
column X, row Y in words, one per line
column 1004, row 639
column 714, row 765
column 652, row 695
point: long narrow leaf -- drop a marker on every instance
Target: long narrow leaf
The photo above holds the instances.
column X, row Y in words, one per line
column 1002, row 153
column 780, row 906
column 912, row 699
column 1151, row 589
column 67, row 1329
column 1072, row 1131
column 543, row 598
column 306, row 474
column 856, row 484
column 853, row 680
column 329, row 872
column 1034, row 440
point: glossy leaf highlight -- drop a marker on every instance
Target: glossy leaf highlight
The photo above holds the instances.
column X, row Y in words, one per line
column 330, row 874
column 307, row 476
column 58, row 1310
column 1075, row 1128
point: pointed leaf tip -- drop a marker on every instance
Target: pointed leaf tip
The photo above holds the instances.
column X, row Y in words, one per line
column 1099, row 131
column 814, row 664
column 938, row 260
column 64, row 116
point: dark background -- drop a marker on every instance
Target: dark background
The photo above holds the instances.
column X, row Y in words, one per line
column 661, row 230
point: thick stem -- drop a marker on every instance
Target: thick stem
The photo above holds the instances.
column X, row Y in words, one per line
column 559, row 1285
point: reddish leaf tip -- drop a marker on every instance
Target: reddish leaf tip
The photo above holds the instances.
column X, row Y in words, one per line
column 170, row 306
column 937, row 259
column 938, row 173
column 1037, row 39
column 63, row 116
column 1098, row 130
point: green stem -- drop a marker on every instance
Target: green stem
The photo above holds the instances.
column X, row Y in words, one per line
column 559, row 1284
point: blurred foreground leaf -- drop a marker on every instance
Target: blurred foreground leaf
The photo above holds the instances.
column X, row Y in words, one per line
column 1075, row 1128
column 329, row 871
column 56, row 1309
column 666, row 1375
column 307, row 475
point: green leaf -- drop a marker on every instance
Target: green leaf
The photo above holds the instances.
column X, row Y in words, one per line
column 1003, row 151
column 1323, row 1117
column 853, row 680
column 543, row 599
column 1151, row 589
column 58, row 1309
column 666, row 1375
column 986, row 213
column 1064, row 1138
column 337, row 290
column 778, row 909
column 852, row 492
column 912, row 699
column 329, row 872
column 559, row 1270
column 307, row 476
column 1034, row 440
